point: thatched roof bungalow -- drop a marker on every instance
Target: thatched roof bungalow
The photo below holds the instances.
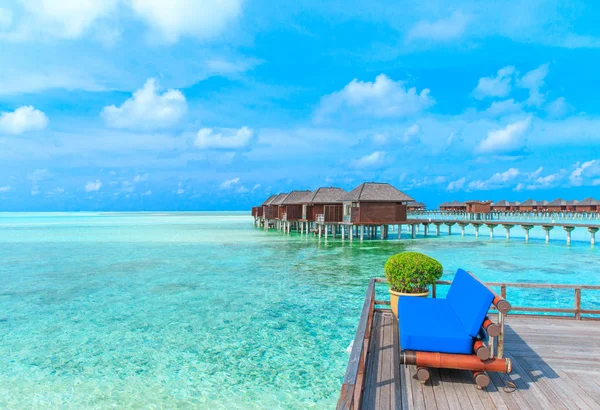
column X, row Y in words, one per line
column 292, row 204
column 375, row 203
column 501, row 205
column 324, row 201
column 276, row 207
column 416, row 206
column 587, row 205
column 453, row 206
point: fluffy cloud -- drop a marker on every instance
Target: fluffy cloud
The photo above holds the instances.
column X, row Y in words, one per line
column 498, row 108
column 229, row 183
column 507, row 139
column 207, row 138
column 23, row 119
column 380, row 99
column 585, row 171
column 496, row 181
column 370, row 160
column 440, row 30
column 4, row 188
column 457, row 185
column 542, row 182
column 175, row 18
column 140, row 178
column 411, row 133
column 147, row 108
column 62, row 18
column 168, row 20
column 533, row 81
column 93, row 186
column 496, row 86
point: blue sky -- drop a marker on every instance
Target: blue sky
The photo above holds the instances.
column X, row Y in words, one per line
column 180, row 105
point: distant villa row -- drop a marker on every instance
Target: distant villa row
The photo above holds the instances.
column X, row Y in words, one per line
column 370, row 203
column 530, row 205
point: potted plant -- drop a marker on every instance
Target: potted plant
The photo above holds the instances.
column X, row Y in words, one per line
column 410, row 274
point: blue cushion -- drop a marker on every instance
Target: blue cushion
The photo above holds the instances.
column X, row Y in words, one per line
column 431, row 325
column 470, row 300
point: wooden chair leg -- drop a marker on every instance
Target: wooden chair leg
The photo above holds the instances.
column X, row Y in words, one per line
column 423, row 374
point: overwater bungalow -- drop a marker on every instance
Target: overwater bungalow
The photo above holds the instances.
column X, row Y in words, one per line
column 453, row 206
column 558, row 205
column 587, row 205
column 374, row 203
column 514, row 205
column 416, row 206
column 571, row 205
column 272, row 210
column 528, row 206
column 292, row 205
column 501, row 206
column 481, row 207
column 277, row 202
column 269, row 210
column 324, row 205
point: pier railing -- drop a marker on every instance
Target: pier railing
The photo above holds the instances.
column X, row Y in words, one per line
column 353, row 383
column 576, row 310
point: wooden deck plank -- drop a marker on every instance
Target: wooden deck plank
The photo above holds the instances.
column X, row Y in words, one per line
column 535, row 396
column 439, row 392
column 547, row 370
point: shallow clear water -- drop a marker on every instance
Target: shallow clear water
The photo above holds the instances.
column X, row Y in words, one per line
column 204, row 310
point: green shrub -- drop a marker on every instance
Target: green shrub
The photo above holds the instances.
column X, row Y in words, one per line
column 412, row 272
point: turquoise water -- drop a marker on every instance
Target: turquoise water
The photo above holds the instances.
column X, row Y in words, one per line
column 203, row 310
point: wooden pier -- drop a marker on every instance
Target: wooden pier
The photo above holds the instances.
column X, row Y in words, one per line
column 556, row 364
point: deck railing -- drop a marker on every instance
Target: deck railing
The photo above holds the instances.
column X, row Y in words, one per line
column 353, row 383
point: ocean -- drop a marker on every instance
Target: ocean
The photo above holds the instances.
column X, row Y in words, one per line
column 203, row 310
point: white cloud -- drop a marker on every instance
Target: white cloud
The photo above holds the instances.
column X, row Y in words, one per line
column 370, row 160
column 61, row 18
column 497, row 86
column 255, row 187
column 440, row 30
column 583, row 171
column 207, row 138
column 147, row 193
column 533, row 81
column 169, row 21
column 498, row 108
column 147, row 108
column 410, row 132
column 180, row 189
column 496, row 181
column 380, row 99
column 5, row 188
column 456, row 185
column 229, row 183
column 23, row 119
column 380, row 138
column 93, row 186
column 557, row 108
column 175, row 18
column 507, row 139
column 545, row 182
column 6, row 17
column 140, row 178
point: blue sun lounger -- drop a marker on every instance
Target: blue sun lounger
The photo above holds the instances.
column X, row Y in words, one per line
column 453, row 332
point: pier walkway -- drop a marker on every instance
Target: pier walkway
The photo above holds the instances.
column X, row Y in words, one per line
column 556, row 365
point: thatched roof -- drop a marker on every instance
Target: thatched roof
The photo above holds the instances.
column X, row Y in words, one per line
column 478, row 202
column 376, row 192
column 589, row 201
column 268, row 200
column 502, row 202
column 416, row 204
column 557, row 202
column 296, row 197
column 572, row 202
column 529, row 202
column 514, row 203
column 279, row 199
column 454, row 204
column 330, row 195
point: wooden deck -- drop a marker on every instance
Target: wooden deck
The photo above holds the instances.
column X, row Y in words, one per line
column 556, row 365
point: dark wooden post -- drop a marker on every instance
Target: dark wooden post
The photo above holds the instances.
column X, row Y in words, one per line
column 578, row 304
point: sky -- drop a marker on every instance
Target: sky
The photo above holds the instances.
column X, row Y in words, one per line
column 214, row 105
